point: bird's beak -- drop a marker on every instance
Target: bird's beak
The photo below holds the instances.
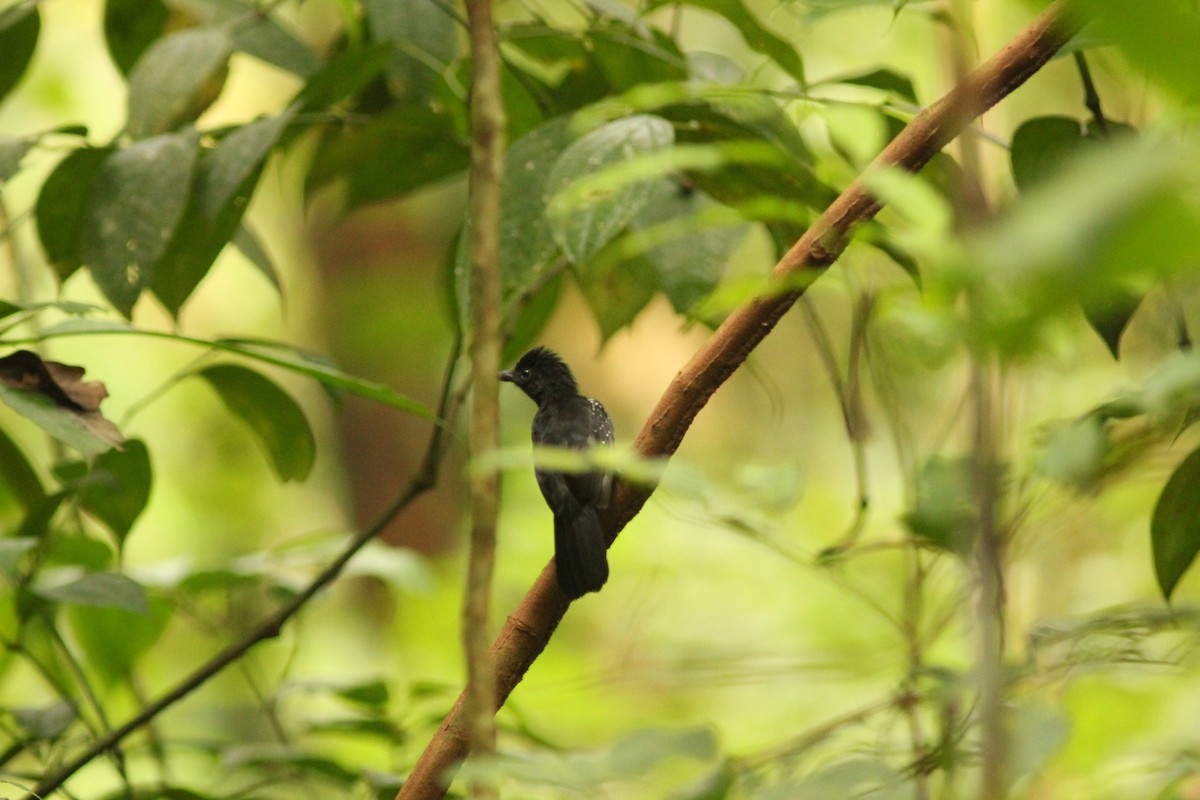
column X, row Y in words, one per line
column 506, row 375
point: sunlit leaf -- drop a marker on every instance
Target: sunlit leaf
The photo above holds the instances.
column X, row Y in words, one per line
column 46, row 722
column 20, row 25
column 1074, row 451
column 1175, row 526
column 277, row 421
column 176, row 79
column 99, row 590
column 136, row 203
column 885, row 80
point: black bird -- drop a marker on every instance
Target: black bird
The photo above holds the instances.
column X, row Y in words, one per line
column 565, row 418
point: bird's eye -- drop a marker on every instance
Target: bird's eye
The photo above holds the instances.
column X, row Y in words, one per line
column 525, row 372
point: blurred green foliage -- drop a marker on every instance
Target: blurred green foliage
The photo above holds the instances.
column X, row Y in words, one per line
column 793, row 615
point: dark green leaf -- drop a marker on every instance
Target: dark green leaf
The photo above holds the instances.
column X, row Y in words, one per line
column 250, row 246
column 113, row 639
column 118, row 488
column 93, row 555
column 687, row 250
column 176, row 79
column 369, row 693
column 225, row 179
column 531, row 318
column 1175, row 527
column 344, row 75
column 276, row 420
column 130, row 27
column 20, row 25
column 617, row 289
column 18, row 476
column 12, row 150
column 61, row 204
column 758, row 37
column 255, row 31
column 1040, row 146
column 1110, row 316
column 581, row 229
column 885, row 80
column 275, row 756
column 397, row 152
column 11, row 552
column 944, row 512
column 100, row 590
column 424, row 39
column 628, row 56
column 136, row 204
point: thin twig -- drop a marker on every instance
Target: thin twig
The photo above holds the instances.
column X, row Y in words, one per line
column 531, row 625
column 487, row 165
column 423, row 480
column 1091, row 98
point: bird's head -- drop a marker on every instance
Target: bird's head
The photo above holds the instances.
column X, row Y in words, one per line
column 541, row 374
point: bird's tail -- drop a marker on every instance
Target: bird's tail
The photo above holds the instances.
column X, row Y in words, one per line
column 580, row 553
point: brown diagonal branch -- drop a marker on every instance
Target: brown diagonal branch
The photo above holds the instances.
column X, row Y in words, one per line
column 528, row 630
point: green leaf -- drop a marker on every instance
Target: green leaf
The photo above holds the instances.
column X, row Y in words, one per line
column 1041, row 145
column 759, row 38
column 885, row 80
column 254, row 30
column 1110, row 316
column 394, row 153
column 46, row 722
column 99, row 590
column 640, row 751
column 176, row 79
column 369, row 693
column 225, row 179
column 582, row 228
column 1175, row 526
column 12, row 151
column 424, row 39
column 81, row 430
column 249, row 245
column 113, row 639
column 343, row 76
column 118, row 487
column 20, row 25
column 1074, row 452
column 944, row 511
column 130, row 27
column 685, row 241
column 61, row 204
column 11, row 552
column 617, row 289
column 277, row 421
column 18, row 475
column 136, row 203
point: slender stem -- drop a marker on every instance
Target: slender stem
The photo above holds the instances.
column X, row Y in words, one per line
column 1091, row 98
column 487, row 164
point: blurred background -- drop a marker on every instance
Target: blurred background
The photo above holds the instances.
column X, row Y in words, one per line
column 767, row 597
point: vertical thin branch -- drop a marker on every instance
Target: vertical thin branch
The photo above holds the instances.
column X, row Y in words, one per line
column 487, row 154
column 989, row 577
column 1091, row 98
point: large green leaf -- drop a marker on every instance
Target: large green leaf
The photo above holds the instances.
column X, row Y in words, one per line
column 61, row 204
column 1175, row 526
column 225, row 179
column 117, row 487
column 1041, row 145
column 136, row 203
column 254, row 30
column 277, row 421
column 617, row 289
column 344, row 75
column 582, row 226
column 758, row 37
column 396, row 152
column 20, row 25
column 113, row 639
column 99, row 590
column 424, row 39
column 176, row 79
column 18, row 475
column 130, row 27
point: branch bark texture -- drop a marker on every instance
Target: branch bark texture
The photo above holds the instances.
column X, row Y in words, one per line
column 529, row 628
column 487, row 157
